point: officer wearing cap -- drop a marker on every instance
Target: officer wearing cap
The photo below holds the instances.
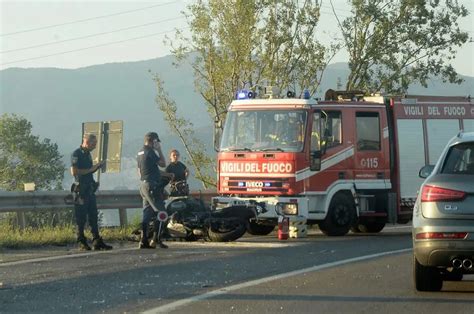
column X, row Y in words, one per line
column 84, row 187
column 149, row 159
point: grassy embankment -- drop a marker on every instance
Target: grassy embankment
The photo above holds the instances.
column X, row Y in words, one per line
column 11, row 237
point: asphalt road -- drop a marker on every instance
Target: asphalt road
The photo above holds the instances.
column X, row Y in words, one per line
column 317, row 274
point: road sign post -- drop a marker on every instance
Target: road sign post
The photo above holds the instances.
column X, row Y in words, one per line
column 109, row 144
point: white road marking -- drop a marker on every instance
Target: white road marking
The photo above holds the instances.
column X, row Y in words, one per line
column 52, row 258
column 400, row 227
column 189, row 244
column 180, row 303
column 236, row 244
column 245, row 244
column 241, row 244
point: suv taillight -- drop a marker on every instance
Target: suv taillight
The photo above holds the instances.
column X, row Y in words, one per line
column 431, row 193
column 441, row 235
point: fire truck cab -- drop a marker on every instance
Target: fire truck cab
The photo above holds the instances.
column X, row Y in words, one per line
column 349, row 162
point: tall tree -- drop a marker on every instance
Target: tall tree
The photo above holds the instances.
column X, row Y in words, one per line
column 245, row 43
column 25, row 158
column 392, row 44
column 183, row 128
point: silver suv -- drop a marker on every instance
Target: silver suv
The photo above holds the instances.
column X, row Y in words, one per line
column 443, row 217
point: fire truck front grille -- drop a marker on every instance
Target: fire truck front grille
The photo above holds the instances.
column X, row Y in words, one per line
column 275, row 185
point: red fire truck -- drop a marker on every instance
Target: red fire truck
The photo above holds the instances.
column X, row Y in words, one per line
column 350, row 162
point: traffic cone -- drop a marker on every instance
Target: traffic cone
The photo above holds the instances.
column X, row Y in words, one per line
column 283, row 227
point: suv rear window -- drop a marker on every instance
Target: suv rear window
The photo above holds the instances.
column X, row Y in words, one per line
column 460, row 159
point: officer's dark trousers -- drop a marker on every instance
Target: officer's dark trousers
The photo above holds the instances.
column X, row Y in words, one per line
column 152, row 201
column 87, row 210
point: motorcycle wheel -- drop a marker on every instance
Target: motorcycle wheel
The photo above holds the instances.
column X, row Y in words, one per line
column 227, row 234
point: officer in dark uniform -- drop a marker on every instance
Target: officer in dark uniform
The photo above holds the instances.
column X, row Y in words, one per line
column 149, row 159
column 84, row 187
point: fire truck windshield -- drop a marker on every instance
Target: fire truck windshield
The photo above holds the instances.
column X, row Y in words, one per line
column 264, row 130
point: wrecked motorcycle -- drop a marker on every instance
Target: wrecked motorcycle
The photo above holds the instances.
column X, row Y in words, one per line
column 190, row 219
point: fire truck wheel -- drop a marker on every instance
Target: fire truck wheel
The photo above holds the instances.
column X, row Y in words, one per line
column 426, row 278
column 340, row 216
column 371, row 227
column 257, row 229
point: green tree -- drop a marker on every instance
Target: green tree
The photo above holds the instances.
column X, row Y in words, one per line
column 392, row 44
column 25, row 158
column 237, row 43
column 183, row 128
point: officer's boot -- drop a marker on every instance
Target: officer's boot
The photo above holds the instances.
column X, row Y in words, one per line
column 98, row 244
column 156, row 240
column 143, row 244
column 83, row 246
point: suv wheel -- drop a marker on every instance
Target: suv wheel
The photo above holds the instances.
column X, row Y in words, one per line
column 426, row 278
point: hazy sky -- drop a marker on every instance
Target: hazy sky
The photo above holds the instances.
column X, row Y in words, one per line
column 73, row 34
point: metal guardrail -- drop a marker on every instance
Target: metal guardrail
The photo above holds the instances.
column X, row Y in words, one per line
column 21, row 202
column 29, row 201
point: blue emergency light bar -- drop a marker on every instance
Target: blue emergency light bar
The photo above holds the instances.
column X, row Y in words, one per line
column 244, row 94
column 306, row 94
column 248, row 94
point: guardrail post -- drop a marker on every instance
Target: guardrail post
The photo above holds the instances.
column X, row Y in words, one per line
column 21, row 220
column 123, row 217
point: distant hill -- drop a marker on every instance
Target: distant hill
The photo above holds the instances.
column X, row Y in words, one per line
column 57, row 101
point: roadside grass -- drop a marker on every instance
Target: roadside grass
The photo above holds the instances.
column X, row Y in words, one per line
column 12, row 237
